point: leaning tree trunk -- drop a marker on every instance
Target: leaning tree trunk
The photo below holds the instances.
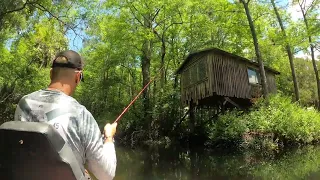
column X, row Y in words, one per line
column 315, row 68
column 289, row 52
column 312, row 52
column 257, row 50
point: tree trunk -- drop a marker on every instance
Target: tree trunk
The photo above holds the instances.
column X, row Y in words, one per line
column 145, row 63
column 315, row 69
column 162, row 69
column 289, row 52
column 257, row 50
column 162, row 80
column 312, row 51
column 163, row 54
column 191, row 117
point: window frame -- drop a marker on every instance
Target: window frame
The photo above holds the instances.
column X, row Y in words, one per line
column 257, row 73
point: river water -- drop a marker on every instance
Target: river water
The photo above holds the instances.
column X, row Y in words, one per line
column 178, row 163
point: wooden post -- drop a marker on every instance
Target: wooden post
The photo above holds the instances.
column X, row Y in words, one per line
column 192, row 117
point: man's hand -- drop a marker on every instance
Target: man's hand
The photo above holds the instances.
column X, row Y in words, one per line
column 109, row 131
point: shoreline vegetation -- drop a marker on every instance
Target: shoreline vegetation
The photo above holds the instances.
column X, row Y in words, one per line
column 270, row 124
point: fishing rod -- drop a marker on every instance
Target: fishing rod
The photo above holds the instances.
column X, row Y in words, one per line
column 135, row 98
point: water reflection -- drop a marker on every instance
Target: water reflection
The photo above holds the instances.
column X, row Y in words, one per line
column 177, row 163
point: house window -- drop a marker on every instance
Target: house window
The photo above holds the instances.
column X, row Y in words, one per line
column 253, row 76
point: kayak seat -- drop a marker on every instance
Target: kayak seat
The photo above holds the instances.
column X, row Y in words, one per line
column 35, row 150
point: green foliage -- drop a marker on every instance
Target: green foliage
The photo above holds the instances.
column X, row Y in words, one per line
column 276, row 116
column 228, row 127
column 287, row 120
column 30, row 35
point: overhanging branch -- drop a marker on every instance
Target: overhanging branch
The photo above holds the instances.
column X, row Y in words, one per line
column 15, row 10
column 44, row 9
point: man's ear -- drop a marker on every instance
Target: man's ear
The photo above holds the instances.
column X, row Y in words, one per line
column 77, row 78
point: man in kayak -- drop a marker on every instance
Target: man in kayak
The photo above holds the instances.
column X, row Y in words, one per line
column 72, row 120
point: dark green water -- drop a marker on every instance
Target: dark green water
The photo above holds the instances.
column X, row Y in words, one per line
column 177, row 163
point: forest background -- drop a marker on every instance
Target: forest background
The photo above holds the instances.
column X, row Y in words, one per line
column 125, row 43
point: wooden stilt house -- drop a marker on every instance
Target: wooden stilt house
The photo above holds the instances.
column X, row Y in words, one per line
column 215, row 77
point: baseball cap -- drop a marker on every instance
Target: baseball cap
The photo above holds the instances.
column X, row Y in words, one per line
column 72, row 60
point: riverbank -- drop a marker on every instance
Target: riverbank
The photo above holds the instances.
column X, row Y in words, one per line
column 271, row 124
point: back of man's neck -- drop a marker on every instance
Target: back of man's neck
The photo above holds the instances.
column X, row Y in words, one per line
column 59, row 87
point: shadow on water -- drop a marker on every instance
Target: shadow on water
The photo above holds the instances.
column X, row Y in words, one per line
column 178, row 163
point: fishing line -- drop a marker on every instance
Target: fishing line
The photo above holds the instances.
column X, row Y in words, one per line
column 135, row 98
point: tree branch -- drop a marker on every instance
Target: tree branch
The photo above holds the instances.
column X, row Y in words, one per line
column 298, row 50
column 44, row 9
column 156, row 14
column 159, row 23
column 310, row 7
column 262, row 14
column 15, row 10
column 134, row 15
column 174, row 23
column 156, row 33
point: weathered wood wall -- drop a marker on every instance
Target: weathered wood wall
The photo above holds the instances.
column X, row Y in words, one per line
column 272, row 86
column 226, row 76
column 198, row 90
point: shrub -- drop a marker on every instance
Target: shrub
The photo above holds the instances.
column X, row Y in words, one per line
column 277, row 115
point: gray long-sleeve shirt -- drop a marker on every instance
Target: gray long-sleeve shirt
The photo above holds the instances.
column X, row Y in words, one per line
column 75, row 124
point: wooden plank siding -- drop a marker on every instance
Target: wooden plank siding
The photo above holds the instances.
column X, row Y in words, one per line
column 229, row 77
column 225, row 76
column 272, row 86
column 199, row 89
